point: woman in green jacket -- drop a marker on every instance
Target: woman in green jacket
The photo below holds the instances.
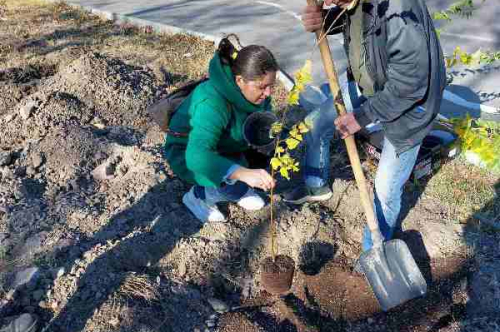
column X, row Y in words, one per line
column 211, row 157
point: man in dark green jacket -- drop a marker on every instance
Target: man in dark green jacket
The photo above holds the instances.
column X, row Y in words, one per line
column 211, row 156
column 396, row 62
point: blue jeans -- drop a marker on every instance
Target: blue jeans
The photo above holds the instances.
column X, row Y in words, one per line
column 393, row 170
column 228, row 192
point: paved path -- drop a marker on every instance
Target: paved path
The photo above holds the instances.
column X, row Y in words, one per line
column 276, row 24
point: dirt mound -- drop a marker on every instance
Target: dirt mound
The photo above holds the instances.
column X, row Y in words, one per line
column 117, row 93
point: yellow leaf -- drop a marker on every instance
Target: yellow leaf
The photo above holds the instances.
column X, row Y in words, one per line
column 465, row 58
column 284, row 173
column 303, row 128
column 293, row 98
column 280, row 149
column 294, row 133
column 476, row 58
column 276, row 128
column 292, row 143
column 303, row 76
column 275, row 163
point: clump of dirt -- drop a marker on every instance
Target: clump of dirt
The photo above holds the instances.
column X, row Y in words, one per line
column 27, row 74
column 117, row 92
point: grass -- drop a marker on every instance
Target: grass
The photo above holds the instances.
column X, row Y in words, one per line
column 138, row 287
column 466, row 189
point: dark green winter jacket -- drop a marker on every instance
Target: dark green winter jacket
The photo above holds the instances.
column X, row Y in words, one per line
column 213, row 115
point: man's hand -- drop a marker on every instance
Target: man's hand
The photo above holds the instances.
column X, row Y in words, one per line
column 347, row 125
column 312, row 18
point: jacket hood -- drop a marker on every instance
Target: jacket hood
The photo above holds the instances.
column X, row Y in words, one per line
column 223, row 81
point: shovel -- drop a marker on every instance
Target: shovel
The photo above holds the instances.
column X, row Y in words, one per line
column 388, row 266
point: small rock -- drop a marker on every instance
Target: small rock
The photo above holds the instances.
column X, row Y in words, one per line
column 36, row 160
column 370, row 321
column 104, row 171
column 218, row 305
column 37, row 295
column 28, row 277
column 5, row 158
column 27, row 109
column 9, row 117
column 210, row 323
column 30, row 171
column 213, row 317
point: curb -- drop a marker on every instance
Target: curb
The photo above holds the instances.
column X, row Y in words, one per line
column 118, row 19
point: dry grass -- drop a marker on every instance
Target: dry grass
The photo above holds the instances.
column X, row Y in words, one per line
column 138, row 287
column 466, row 189
column 36, row 32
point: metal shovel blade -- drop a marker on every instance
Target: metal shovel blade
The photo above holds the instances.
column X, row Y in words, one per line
column 393, row 274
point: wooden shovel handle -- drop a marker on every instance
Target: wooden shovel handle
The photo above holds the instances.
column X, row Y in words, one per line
column 352, row 150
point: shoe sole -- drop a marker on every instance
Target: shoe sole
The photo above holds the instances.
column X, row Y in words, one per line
column 185, row 200
column 303, row 200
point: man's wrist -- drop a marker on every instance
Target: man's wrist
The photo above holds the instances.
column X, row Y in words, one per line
column 361, row 117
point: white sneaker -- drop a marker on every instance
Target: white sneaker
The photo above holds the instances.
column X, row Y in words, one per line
column 201, row 209
column 251, row 201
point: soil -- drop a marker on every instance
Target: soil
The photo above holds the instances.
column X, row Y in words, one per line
column 277, row 274
column 280, row 264
column 92, row 215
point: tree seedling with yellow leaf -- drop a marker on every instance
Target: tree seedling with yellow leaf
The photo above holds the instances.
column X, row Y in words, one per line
column 277, row 270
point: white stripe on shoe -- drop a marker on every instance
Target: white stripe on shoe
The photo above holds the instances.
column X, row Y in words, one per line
column 251, row 201
column 201, row 209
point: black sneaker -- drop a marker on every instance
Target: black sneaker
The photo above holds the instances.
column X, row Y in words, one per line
column 304, row 194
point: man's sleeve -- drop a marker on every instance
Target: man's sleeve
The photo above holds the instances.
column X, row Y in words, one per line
column 407, row 74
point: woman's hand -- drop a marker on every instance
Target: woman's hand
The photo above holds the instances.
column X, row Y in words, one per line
column 255, row 178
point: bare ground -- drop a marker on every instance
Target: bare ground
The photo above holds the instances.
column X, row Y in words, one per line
column 87, row 200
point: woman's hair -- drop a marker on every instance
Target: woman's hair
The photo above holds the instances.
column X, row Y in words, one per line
column 251, row 62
